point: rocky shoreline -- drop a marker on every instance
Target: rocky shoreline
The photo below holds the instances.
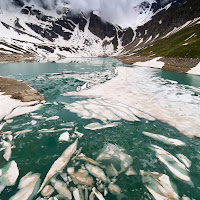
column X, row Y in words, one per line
column 179, row 65
column 4, row 58
column 19, row 90
column 17, row 98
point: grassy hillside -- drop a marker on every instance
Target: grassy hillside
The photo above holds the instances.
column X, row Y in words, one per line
column 185, row 43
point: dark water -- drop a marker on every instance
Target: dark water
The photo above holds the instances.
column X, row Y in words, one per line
column 36, row 151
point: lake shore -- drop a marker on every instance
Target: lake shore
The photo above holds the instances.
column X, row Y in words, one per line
column 17, row 98
column 5, row 58
column 179, row 65
column 19, row 90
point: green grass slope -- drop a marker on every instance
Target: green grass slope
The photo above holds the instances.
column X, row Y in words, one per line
column 184, row 43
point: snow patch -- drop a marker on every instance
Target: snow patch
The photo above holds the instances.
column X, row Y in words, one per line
column 195, row 70
column 149, row 39
column 151, row 63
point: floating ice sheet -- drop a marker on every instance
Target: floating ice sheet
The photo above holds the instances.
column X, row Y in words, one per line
column 136, row 93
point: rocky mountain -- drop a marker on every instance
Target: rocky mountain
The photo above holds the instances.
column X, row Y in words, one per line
column 53, row 31
column 34, row 31
column 173, row 33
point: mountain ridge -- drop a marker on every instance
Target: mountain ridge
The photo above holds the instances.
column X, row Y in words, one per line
column 37, row 33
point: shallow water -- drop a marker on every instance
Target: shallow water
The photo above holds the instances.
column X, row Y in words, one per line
column 37, row 150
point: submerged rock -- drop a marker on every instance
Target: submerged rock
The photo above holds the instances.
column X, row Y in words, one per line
column 111, row 171
column 131, row 171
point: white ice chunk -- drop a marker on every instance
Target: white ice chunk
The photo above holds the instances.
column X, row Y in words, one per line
column 64, row 136
column 164, row 139
column 97, row 126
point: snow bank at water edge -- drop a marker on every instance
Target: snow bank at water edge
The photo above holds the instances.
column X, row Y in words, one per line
column 10, row 108
column 155, row 63
column 195, row 70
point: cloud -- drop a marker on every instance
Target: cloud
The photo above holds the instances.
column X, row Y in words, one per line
column 121, row 12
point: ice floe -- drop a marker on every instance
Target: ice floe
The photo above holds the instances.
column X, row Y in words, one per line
column 52, row 118
column 98, row 194
column 22, row 110
column 89, row 160
column 131, row 101
column 76, row 194
column 60, row 163
column 184, row 160
column 53, row 130
column 159, row 185
column 79, row 134
column 105, row 111
column 97, row 126
column 81, row 176
column 47, row 191
column 10, row 174
column 97, row 172
column 114, row 189
column 64, row 136
column 22, row 132
column 172, row 163
column 28, row 186
column 61, row 188
column 164, row 139
column 113, row 153
column 7, row 147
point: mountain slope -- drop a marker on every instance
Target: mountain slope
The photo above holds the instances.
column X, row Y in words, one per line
column 31, row 31
column 173, row 33
column 165, row 28
column 51, row 29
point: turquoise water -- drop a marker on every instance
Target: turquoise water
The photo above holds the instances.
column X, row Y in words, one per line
column 36, row 150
